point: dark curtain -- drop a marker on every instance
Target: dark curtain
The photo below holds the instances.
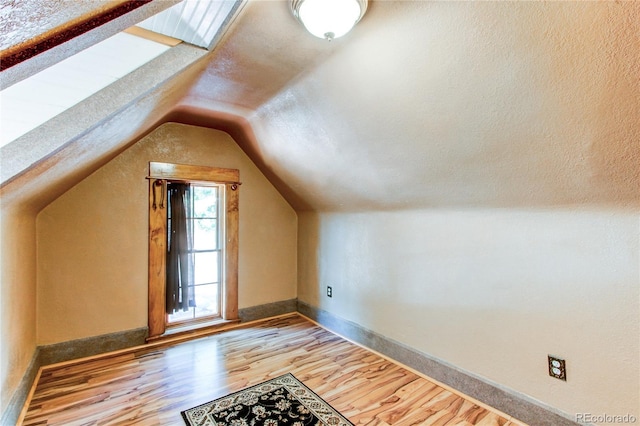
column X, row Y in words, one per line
column 179, row 249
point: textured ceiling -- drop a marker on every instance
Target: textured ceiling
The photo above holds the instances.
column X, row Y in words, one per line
column 433, row 104
column 22, row 22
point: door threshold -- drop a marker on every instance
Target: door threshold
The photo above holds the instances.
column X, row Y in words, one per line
column 200, row 328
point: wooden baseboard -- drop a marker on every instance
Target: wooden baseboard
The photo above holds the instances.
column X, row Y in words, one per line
column 112, row 344
column 89, row 346
column 268, row 310
column 15, row 410
column 500, row 398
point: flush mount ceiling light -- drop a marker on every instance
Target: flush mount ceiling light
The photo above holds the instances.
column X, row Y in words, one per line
column 328, row 19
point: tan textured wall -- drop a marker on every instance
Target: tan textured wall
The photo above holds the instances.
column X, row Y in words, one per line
column 17, row 297
column 92, row 241
column 492, row 292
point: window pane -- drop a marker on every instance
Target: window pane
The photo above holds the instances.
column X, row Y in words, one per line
column 205, row 234
column 205, row 201
column 181, row 315
column 206, row 257
column 206, row 267
column 207, row 300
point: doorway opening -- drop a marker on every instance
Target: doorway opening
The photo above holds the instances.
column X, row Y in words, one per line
column 205, row 252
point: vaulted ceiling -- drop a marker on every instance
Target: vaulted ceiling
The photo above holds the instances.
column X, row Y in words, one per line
column 424, row 105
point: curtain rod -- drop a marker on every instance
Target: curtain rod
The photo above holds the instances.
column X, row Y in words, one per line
column 234, row 184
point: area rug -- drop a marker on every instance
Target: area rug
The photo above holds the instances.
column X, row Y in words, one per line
column 276, row 402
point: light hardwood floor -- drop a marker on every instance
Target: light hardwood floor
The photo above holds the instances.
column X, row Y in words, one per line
column 150, row 386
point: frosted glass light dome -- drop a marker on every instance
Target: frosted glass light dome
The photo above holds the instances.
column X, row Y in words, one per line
column 328, row 19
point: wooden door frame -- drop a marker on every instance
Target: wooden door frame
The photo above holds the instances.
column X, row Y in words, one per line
column 159, row 174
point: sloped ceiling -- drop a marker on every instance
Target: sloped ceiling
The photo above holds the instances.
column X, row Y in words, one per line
column 433, row 104
column 52, row 30
column 31, row 20
column 436, row 104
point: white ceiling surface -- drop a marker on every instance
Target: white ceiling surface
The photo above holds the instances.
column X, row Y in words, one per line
column 35, row 100
column 193, row 21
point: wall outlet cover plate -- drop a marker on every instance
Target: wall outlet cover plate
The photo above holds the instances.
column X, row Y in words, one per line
column 557, row 368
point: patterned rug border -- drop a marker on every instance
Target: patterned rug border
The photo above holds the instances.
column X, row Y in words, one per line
column 330, row 417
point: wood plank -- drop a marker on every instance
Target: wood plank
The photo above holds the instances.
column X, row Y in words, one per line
column 151, row 385
column 153, row 36
column 232, row 231
column 191, row 173
column 157, row 258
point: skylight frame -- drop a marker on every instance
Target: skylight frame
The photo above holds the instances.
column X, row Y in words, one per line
column 33, row 101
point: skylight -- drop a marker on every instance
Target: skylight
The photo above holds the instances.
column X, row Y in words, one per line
column 198, row 22
column 31, row 102
column 37, row 99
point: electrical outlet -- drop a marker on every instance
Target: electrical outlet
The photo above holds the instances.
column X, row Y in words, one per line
column 557, row 368
column 329, row 291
